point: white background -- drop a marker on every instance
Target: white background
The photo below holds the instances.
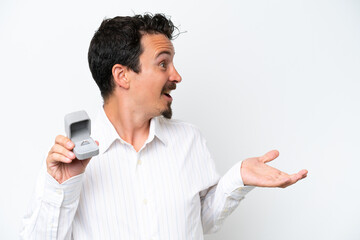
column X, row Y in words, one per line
column 257, row 75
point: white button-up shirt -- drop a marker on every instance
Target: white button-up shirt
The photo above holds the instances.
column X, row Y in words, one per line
column 169, row 189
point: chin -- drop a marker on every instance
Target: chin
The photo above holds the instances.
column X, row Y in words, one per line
column 168, row 112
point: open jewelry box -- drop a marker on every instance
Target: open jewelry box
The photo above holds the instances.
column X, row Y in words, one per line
column 78, row 129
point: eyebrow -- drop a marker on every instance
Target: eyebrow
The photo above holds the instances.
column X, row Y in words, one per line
column 164, row 52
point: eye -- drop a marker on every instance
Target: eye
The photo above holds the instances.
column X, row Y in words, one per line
column 163, row 64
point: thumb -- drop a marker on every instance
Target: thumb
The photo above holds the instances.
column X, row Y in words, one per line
column 269, row 156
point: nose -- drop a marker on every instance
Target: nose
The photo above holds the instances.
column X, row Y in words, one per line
column 175, row 76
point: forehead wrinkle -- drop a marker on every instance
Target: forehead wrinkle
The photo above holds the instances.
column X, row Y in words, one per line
column 160, row 49
column 162, row 46
column 158, row 44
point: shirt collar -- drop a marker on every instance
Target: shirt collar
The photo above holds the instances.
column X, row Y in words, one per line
column 106, row 134
column 159, row 130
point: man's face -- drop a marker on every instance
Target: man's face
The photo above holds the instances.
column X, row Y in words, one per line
column 150, row 89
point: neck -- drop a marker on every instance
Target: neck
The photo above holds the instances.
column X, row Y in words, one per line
column 131, row 125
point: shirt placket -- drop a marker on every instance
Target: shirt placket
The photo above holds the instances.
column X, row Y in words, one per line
column 145, row 197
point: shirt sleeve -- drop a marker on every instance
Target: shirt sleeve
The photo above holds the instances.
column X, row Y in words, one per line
column 221, row 199
column 52, row 208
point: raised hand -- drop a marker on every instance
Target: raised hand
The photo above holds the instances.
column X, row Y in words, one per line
column 61, row 161
column 255, row 172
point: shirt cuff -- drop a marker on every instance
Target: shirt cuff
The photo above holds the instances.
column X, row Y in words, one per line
column 233, row 184
column 62, row 194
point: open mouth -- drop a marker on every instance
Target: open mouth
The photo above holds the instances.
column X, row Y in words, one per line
column 167, row 89
column 167, row 95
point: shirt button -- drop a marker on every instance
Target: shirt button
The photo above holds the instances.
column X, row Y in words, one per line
column 139, row 162
column 58, row 191
column 145, row 201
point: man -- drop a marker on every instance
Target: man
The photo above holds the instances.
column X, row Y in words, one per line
column 154, row 177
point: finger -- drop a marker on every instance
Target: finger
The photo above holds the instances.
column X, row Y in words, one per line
column 97, row 143
column 56, row 157
column 65, row 142
column 294, row 178
column 269, row 156
column 303, row 173
column 63, row 151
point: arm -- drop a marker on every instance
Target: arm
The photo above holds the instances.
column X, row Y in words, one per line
column 56, row 198
column 220, row 200
column 218, row 196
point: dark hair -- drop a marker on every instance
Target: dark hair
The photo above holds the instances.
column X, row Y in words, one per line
column 117, row 41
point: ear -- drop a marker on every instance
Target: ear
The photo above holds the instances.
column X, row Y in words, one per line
column 119, row 74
